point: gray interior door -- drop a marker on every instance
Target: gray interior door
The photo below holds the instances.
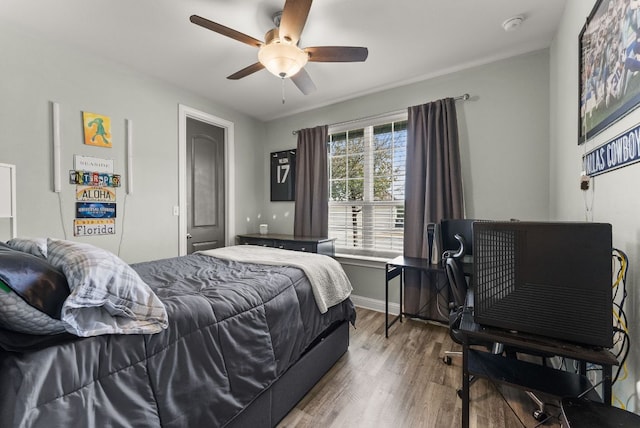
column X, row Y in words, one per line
column 205, row 186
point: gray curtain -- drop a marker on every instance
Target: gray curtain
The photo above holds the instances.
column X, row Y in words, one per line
column 433, row 192
column 312, row 183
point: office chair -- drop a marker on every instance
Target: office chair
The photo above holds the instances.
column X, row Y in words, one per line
column 459, row 287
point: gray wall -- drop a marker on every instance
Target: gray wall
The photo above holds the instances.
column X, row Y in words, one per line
column 34, row 72
column 504, row 137
column 504, row 132
column 613, row 197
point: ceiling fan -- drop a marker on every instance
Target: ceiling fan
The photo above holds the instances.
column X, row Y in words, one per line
column 280, row 53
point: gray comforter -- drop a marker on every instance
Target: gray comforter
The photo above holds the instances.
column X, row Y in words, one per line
column 234, row 328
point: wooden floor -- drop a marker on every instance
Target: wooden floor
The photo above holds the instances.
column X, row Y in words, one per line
column 402, row 382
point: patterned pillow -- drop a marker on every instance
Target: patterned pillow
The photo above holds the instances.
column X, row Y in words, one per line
column 107, row 295
column 35, row 246
column 32, row 293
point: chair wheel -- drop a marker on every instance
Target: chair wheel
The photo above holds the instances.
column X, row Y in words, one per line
column 447, row 360
column 539, row 415
column 459, row 392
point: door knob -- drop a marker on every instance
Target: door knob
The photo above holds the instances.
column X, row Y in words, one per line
column 189, row 236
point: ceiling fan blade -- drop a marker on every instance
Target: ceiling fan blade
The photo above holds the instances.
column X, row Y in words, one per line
column 303, row 81
column 337, row 54
column 246, row 71
column 225, row 31
column 294, row 16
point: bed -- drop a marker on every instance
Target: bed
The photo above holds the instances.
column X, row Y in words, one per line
column 240, row 345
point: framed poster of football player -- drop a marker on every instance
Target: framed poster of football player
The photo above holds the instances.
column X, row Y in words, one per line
column 609, row 82
column 283, row 174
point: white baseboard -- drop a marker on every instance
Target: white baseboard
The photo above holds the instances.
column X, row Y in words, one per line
column 374, row 304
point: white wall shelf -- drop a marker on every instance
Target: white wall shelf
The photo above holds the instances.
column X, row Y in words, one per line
column 8, row 196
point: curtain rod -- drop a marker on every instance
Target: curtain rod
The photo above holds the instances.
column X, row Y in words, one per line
column 463, row 97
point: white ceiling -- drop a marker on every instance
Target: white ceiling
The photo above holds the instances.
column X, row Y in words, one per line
column 408, row 40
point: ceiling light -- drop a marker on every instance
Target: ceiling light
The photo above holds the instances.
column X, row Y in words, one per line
column 512, row 23
column 282, row 59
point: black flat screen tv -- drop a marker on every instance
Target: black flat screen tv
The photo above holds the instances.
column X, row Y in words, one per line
column 551, row 279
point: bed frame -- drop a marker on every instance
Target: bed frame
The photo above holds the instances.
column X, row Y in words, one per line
column 273, row 404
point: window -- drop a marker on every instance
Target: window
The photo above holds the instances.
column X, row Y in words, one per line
column 366, row 186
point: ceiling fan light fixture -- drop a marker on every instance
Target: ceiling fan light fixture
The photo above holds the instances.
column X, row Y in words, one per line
column 282, row 59
column 280, row 54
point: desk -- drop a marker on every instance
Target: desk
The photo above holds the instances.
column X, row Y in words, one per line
column 396, row 268
column 529, row 376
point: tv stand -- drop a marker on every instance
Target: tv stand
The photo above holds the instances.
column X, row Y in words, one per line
column 526, row 375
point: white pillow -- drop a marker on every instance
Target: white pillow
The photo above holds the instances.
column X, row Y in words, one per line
column 35, row 246
column 107, row 295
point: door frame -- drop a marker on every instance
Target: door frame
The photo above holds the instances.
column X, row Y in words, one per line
column 229, row 183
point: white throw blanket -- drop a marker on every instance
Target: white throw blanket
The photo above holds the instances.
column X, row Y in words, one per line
column 329, row 283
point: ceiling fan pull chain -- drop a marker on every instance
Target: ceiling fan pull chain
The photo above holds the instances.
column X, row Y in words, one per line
column 282, row 78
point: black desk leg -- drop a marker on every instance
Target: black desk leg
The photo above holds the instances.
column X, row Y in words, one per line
column 390, row 274
column 401, row 288
column 386, row 302
column 465, row 385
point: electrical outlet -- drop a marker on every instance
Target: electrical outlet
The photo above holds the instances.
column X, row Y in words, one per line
column 176, row 210
column 584, row 182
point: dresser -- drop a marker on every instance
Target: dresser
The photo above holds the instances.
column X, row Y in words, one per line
column 310, row 244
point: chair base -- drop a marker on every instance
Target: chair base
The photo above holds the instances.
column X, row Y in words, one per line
column 539, row 414
column 448, row 354
column 447, row 360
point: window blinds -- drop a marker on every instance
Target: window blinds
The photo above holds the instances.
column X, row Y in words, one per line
column 366, row 187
